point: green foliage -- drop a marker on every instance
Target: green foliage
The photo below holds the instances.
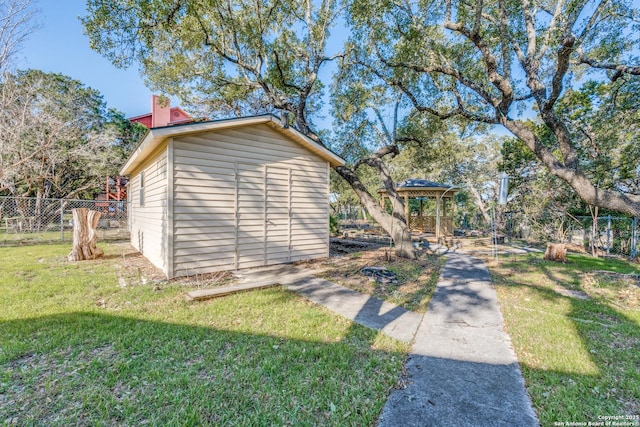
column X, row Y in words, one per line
column 334, row 225
column 604, row 124
column 604, row 120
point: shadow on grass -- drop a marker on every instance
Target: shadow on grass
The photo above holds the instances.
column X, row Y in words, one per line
column 94, row 368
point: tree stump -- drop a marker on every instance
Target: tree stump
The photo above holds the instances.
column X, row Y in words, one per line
column 85, row 237
column 556, row 252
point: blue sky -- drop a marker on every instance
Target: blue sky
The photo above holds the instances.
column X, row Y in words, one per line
column 60, row 46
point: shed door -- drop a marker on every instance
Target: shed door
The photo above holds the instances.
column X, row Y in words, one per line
column 263, row 215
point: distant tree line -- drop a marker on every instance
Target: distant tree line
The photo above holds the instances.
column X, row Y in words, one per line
column 57, row 136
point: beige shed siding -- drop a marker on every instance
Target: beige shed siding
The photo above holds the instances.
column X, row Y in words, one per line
column 220, row 182
column 149, row 222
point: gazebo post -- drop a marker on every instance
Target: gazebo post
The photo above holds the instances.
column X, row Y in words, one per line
column 444, row 214
column 420, row 216
column 438, row 201
column 406, row 210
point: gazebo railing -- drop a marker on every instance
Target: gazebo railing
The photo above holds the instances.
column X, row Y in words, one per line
column 428, row 224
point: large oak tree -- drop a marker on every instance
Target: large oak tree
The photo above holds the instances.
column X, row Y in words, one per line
column 240, row 57
column 501, row 62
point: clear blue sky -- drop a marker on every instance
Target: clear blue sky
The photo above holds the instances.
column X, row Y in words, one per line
column 60, row 46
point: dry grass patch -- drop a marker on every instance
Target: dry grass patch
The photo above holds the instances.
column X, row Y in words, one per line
column 417, row 279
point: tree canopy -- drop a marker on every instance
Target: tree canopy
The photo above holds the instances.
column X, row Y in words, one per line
column 490, row 63
column 58, row 138
column 500, row 62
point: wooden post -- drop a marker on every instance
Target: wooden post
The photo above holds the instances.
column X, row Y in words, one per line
column 406, row 210
column 85, row 237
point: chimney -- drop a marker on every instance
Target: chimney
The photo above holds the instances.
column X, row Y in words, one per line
column 160, row 111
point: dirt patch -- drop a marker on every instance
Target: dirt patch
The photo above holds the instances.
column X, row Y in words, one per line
column 133, row 269
column 620, row 290
column 417, row 279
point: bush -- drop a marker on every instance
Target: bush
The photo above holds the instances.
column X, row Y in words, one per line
column 334, row 225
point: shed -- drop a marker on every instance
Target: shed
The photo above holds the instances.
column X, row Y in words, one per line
column 228, row 194
column 440, row 219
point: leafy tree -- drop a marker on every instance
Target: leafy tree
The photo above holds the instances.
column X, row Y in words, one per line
column 238, row 57
column 17, row 22
column 56, row 137
column 603, row 120
column 498, row 62
column 541, row 204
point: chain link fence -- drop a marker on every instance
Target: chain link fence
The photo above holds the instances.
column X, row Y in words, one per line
column 606, row 235
column 30, row 220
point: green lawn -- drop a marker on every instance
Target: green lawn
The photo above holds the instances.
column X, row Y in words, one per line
column 46, row 237
column 576, row 334
column 77, row 348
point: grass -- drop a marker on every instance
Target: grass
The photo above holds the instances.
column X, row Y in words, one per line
column 46, row 237
column 576, row 334
column 78, row 347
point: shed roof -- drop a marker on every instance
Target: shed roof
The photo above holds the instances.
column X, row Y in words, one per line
column 156, row 136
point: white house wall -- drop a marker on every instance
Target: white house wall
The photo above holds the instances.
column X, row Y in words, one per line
column 149, row 224
column 219, row 210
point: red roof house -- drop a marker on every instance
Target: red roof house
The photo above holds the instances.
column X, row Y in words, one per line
column 162, row 114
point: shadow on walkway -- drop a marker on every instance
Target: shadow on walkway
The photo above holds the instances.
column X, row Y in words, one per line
column 462, row 369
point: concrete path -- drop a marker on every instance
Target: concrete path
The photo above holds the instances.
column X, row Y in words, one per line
column 462, row 370
column 394, row 321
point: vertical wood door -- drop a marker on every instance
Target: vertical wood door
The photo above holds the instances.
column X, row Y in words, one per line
column 278, row 215
column 250, row 215
column 263, row 215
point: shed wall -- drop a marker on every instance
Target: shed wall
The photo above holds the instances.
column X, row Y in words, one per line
column 246, row 197
column 148, row 222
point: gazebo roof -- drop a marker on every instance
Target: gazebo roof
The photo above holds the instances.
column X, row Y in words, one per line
column 422, row 183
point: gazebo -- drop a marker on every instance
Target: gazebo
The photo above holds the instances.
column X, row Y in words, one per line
column 428, row 206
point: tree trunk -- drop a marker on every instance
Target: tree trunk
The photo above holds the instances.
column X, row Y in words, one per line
column 479, row 202
column 395, row 224
column 556, row 252
column 85, row 237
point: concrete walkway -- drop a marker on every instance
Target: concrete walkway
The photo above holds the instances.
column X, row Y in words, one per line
column 462, row 370
column 376, row 314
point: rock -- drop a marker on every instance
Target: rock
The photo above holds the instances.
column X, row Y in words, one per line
column 380, row 274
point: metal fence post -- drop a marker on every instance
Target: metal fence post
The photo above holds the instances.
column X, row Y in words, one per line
column 608, row 234
column 634, row 237
column 61, row 221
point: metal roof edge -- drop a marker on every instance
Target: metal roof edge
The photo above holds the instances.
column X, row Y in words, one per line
column 155, row 136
